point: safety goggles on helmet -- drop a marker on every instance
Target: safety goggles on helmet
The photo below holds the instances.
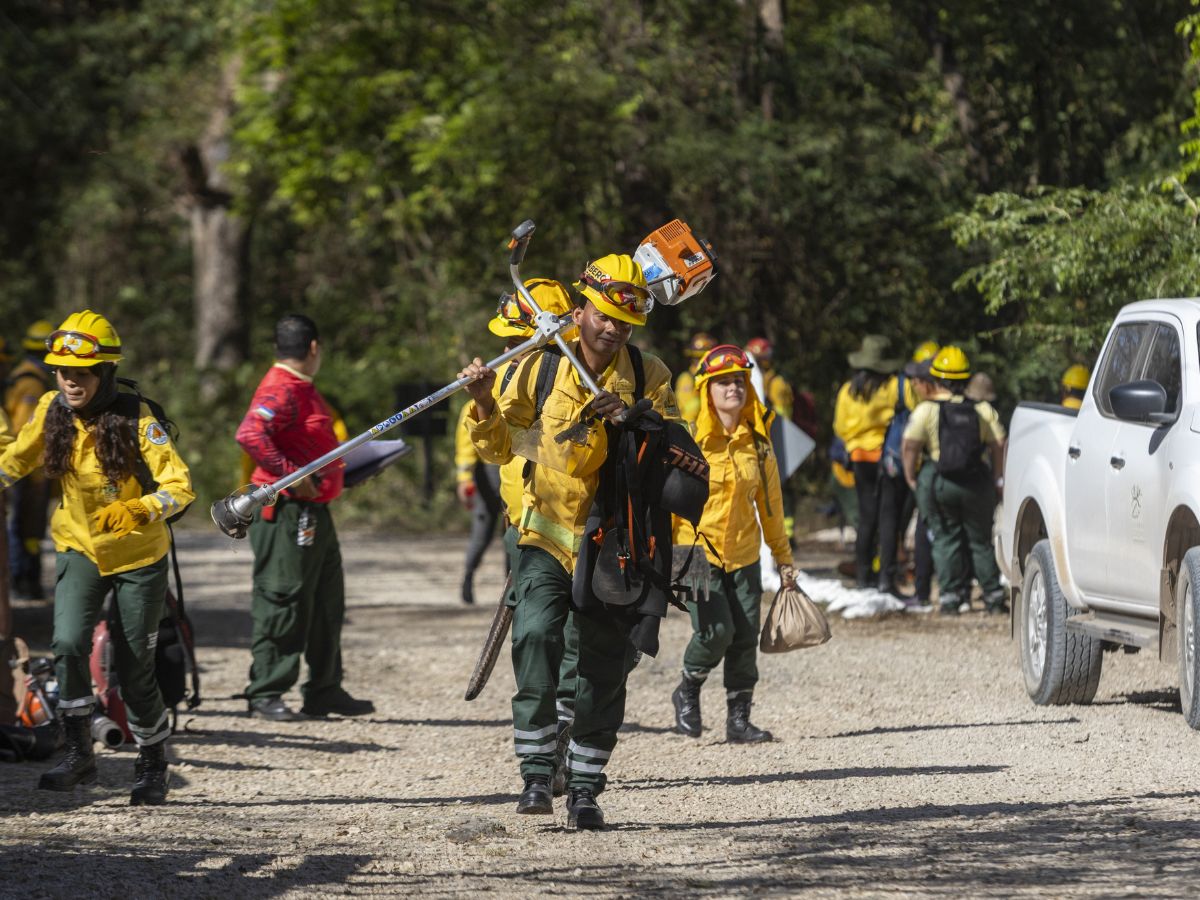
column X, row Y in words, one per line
column 514, row 310
column 725, row 358
column 78, row 344
column 622, row 294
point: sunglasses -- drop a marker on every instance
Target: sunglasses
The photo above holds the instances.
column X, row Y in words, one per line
column 622, row 294
column 725, row 357
column 79, row 344
column 513, row 309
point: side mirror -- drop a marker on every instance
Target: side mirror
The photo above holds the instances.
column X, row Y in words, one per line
column 1141, row 401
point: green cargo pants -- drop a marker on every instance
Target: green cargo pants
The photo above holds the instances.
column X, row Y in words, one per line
column 725, row 626
column 298, row 604
column 538, row 646
column 565, row 695
column 139, row 595
column 960, row 516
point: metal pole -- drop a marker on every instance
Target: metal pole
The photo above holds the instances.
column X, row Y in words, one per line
column 233, row 513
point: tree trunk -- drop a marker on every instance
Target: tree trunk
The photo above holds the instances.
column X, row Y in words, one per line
column 956, row 86
column 770, row 15
column 218, row 240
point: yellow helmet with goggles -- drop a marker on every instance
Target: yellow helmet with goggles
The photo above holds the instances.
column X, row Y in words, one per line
column 513, row 316
column 721, row 360
column 83, row 339
column 616, row 286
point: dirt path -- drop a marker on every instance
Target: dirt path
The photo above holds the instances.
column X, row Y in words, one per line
column 908, row 760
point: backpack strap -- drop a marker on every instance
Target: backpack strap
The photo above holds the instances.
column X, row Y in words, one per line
column 508, row 376
column 547, row 371
column 639, row 372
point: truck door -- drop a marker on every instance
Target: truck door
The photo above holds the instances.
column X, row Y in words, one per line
column 1089, row 454
column 1137, row 484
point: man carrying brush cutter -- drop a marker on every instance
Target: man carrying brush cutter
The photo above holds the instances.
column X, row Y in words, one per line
column 561, row 426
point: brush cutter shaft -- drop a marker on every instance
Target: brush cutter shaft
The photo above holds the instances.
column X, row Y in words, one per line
column 246, row 504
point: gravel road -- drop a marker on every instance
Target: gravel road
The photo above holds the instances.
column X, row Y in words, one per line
column 908, row 760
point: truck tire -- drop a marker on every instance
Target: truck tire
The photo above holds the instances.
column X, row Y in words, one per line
column 1187, row 606
column 1059, row 666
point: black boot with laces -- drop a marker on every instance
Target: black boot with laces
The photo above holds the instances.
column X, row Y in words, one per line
column 738, row 728
column 78, row 766
column 583, row 812
column 150, row 776
column 686, row 700
column 536, row 799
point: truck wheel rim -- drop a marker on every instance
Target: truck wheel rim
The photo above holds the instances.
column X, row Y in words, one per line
column 1035, row 624
column 1189, row 640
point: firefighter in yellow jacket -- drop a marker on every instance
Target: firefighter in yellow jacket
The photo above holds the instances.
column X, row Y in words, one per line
column 686, row 394
column 30, row 499
column 121, row 479
column 558, row 495
column 733, row 431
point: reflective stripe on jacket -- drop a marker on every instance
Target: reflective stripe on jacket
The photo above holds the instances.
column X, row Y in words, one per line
column 85, row 490
column 559, row 491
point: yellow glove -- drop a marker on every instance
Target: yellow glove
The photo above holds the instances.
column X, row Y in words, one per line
column 121, row 516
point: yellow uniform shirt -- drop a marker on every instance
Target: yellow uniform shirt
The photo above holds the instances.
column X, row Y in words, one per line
column 465, row 456
column 923, row 423
column 685, row 394
column 862, row 424
column 26, row 384
column 743, row 475
column 558, row 494
column 86, row 490
column 781, row 399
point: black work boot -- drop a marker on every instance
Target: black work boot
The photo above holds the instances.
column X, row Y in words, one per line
column 78, row 765
column 738, row 727
column 536, row 799
column 150, row 776
column 583, row 812
column 559, row 783
column 686, row 700
column 996, row 602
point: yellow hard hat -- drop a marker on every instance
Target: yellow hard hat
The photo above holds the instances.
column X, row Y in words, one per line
column 700, row 344
column 513, row 316
column 721, row 360
column 616, row 286
column 1075, row 378
column 36, row 334
column 83, row 339
column 927, row 350
column 951, row 364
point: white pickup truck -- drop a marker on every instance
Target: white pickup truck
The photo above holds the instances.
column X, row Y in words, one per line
column 1100, row 529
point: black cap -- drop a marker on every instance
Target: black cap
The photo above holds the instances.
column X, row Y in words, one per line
column 919, row 370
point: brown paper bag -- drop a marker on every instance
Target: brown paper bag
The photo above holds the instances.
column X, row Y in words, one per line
column 793, row 622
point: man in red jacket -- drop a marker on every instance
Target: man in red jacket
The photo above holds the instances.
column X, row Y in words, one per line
column 299, row 597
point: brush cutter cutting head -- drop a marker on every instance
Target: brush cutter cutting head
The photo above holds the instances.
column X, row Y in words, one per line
column 233, row 514
column 677, row 264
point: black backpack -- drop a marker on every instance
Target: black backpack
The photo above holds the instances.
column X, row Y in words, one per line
column 961, row 447
column 654, row 468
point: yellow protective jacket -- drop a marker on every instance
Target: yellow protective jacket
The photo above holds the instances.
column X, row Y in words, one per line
column 743, row 475
column 558, row 494
column 780, row 396
column 85, row 490
column 862, row 424
column 685, row 393
column 465, row 456
column 26, row 384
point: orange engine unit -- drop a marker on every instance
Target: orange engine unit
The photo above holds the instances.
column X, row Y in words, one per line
column 677, row 263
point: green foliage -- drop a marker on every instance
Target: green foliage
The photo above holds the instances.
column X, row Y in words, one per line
column 884, row 166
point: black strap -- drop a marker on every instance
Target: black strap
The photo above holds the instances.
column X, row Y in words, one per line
column 184, row 625
column 547, row 371
column 639, row 372
column 508, row 376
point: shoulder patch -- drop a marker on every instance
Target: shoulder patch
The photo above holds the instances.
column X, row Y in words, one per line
column 155, row 433
column 265, row 412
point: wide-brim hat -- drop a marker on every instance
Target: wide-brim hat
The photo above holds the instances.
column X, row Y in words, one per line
column 870, row 356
